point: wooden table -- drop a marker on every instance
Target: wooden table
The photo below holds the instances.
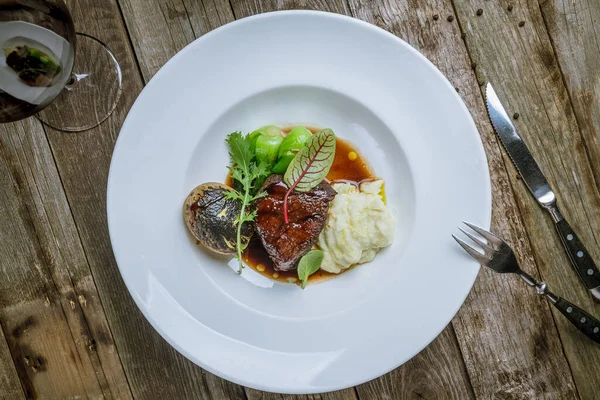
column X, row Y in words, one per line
column 71, row 330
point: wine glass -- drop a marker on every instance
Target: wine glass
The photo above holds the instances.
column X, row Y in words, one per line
column 40, row 74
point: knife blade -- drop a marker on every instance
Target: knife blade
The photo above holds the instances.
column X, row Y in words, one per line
column 538, row 186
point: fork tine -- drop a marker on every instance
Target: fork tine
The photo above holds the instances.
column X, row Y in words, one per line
column 472, row 252
column 488, row 235
column 486, row 247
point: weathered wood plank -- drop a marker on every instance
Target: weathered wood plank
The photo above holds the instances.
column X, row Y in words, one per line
column 159, row 31
column 348, row 394
column 438, row 371
column 207, row 15
column 512, row 49
column 9, row 380
column 500, row 328
column 44, row 266
column 573, row 29
column 86, row 202
column 245, row 8
column 153, row 368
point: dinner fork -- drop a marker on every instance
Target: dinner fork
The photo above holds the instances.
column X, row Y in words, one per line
column 499, row 257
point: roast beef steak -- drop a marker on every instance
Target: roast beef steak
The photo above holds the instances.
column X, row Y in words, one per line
column 287, row 242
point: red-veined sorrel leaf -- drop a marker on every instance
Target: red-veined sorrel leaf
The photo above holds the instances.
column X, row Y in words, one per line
column 310, row 166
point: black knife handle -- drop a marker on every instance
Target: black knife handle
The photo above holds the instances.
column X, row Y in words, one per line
column 579, row 256
column 587, row 324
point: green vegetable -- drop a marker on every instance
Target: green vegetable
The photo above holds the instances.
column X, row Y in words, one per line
column 283, row 163
column 33, row 66
column 293, row 142
column 265, row 143
column 309, row 264
column 310, row 166
column 247, row 171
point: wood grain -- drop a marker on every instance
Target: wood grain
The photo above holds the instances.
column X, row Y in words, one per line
column 160, row 28
column 52, row 343
column 532, row 85
column 245, row 8
column 207, row 15
column 9, row 379
column 573, row 30
column 501, row 328
column 437, row 372
column 348, row 394
column 70, row 328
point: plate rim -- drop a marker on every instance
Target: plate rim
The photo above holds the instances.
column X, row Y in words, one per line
column 366, row 25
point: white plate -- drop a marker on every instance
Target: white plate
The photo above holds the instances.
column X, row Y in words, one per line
column 370, row 88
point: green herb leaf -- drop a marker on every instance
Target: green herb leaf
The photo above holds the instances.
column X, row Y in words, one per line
column 311, row 165
column 240, row 153
column 33, row 66
column 247, row 172
column 309, row 264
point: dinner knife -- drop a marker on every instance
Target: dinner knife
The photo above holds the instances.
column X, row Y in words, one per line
column 538, row 185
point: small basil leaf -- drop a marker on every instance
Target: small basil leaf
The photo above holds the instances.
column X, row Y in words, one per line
column 309, row 264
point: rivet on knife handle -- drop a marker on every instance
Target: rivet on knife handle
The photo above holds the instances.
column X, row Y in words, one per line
column 580, row 258
column 586, row 323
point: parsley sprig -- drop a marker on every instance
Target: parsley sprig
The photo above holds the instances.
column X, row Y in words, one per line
column 248, row 173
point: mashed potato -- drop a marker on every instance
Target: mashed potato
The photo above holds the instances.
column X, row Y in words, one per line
column 358, row 225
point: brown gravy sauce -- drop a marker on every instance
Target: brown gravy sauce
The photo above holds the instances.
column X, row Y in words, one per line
column 342, row 169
